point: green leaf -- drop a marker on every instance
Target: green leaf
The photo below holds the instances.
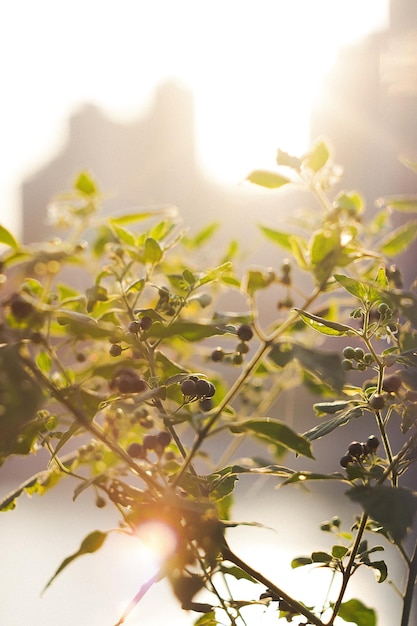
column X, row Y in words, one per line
column 301, row 477
column 329, row 408
column 7, row 238
column 338, row 552
column 91, row 543
column 317, row 158
column 327, row 427
column 326, row 327
column 325, row 249
column 201, row 237
column 325, row 365
column 287, row 160
column 404, row 204
column 270, row 180
column 399, row 240
column 153, row 251
column 124, row 235
column 127, row 218
column 351, row 202
column 278, row 237
column 321, row 557
column 393, row 507
column 300, row 561
column 85, row 184
column 190, row 331
column 255, row 280
column 355, row 611
column 237, row 573
column 274, row 432
column 354, row 287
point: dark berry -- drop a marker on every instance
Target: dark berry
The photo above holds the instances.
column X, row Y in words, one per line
column 136, row 451
column 20, row 308
column 346, row 459
column 150, row 442
column 206, row 404
column 358, row 354
column 163, row 438
column 202, row 388
column 115, row 350
column 189, row 387
column 146, row 322
column 211, row 390
column 134, row 327
column 372, row 443
column 347, row 364
column 217, row 355
column 242, row 347
column 245, row 332
column 237, row 358
column 355, row 449
column 392, row 383
column 377, row 402
column 349, row 352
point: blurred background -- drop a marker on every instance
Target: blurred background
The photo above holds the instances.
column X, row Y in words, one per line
column 175, row 102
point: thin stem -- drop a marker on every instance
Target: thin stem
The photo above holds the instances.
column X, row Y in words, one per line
column 298, row 608
column 409, row 589
column 349, row 567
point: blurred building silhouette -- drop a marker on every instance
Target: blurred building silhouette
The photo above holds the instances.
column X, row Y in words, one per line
column 368, row 107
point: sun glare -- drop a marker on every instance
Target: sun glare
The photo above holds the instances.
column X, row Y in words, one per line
column 157, row 542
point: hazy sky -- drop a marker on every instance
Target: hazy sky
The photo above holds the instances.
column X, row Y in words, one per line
column 253, row 66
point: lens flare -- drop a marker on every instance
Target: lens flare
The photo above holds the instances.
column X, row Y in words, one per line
column 158, row 540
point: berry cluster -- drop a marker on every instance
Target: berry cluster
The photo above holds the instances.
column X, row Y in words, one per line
column 195, row 388
column 356, row 359
column 245, row 334
column 135, row 327
column 157, row 443
column 126, row 380
column 357, row 450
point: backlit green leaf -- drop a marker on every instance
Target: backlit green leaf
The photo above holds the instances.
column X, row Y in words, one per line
column 318, row 157
column 399, row 240
column 7, row 238
column 405, row 204
column 274, row 432
column 190, row 331
column 270, row 180
column 355, row 611
column 278, row 237
column 327, row 427
column 326, row 327
column 85, row 184
column 153, row 251
column 287, row 160
column 91, row 543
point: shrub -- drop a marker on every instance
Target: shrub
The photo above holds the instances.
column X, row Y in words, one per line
column 115, row 356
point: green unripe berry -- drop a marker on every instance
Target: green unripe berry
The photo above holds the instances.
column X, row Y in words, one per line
column 347, row 364
column 349, row 352
column 358, row 354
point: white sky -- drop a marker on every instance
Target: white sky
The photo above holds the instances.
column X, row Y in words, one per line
column 253, row 66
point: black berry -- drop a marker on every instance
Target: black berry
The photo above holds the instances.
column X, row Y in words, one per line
column 245, row 332
column 134, row 327
column 150, row 442
column 217, row 355
column 346, row 459
column 163, row 438
column 202, row 388
column 115, row 350
column 136, row 451
column 146, row 322
column 377, row 401
column 355, row 449
column 189, row 387
column 392, row 383
column 372, row 443
column 20, row 308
